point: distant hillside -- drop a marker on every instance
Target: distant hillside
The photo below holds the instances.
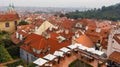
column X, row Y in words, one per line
column 108, row 13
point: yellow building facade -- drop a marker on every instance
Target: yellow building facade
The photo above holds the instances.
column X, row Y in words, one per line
column 9, row 22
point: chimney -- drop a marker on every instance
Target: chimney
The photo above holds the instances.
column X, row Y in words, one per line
column 77, row 35
column 86, row 28
column 21, row 36
column 17, row 35
column 36, row 28
column 50, row 28
column 66, row 31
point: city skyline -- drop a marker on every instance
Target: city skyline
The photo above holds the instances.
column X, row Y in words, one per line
column 60, row 3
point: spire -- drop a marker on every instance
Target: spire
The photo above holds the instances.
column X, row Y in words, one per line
column 11, row 8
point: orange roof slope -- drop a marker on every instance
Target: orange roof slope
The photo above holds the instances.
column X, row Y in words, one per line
column 115, row 56
column 36, row 41
column 8, row 17
column 84, row 40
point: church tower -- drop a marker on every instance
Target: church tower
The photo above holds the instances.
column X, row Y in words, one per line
column 11, row 8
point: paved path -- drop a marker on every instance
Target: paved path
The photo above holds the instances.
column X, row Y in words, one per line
column 9, row 62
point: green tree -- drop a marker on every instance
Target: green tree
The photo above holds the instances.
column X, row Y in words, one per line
column 105, row 13
column 23, row 23
column 4, row 55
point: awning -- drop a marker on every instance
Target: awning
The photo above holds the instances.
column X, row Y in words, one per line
column 50, row 57
column 98, row 52
column 72, row 46
column 78, row 45
column 64, row 49
column 91, row 50
column 83, row 47
column 115, row 56
column 58, row 53
column 40, row 61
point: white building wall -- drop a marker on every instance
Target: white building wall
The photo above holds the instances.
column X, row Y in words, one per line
column 28, row 57
column 113, row 45
column 116, row 46
column 109, row 47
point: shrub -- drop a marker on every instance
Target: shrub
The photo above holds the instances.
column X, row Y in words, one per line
column 23, row 23
column 14, row 52
column 4, row 55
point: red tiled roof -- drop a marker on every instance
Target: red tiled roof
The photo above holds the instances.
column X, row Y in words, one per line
column 36, row 41
column 16, row 40
column 115, row 56
column 116, row 38
column 69, row 35
column 8, row 17
column 84, row 40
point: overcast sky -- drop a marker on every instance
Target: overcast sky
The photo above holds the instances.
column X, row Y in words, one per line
column 60, row 3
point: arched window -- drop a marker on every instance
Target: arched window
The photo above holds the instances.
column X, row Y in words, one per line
column 7, row 24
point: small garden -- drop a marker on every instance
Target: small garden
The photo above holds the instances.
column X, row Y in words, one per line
column 8, row 50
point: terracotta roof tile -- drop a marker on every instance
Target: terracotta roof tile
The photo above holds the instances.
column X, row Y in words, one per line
column 8, row 17
column 84, row 40
column 116, row 37
column 36, row 41
column 115, row 56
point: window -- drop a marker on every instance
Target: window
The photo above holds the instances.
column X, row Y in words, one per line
column 92, row 30
column 33, row 58
column 105, row 32
column 112, row 41
column 38, row 51
column 7, row 24
column 15, row 22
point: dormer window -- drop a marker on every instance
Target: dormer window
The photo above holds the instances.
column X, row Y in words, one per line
column 34, row 50
column 78, row 25
column 60, row 39
column 98, row 30
column 39, row 51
